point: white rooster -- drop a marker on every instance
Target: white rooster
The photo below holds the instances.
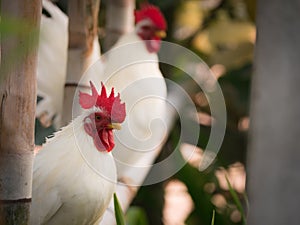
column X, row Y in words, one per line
column 74, row 174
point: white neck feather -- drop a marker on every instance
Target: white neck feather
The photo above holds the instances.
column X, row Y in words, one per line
column 74, row 141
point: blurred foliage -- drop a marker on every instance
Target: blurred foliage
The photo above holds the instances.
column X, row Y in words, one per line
column 136, row 216
column 251, row 7
column 236, row 200
column 222, row 33
column 151, row 199
column 213, row 218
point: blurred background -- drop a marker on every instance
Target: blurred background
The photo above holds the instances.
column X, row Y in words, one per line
column 222, row 33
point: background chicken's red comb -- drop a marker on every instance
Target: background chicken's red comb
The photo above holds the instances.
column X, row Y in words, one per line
column 111, row 104
column 153, row 13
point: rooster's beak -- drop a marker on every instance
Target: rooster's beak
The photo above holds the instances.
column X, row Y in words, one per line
column 116, row 126
column 160, row 34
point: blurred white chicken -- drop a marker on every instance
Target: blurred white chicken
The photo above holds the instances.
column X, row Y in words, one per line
column 52, row 64
column 74, row 174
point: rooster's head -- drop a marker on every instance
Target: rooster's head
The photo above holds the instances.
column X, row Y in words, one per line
column 150, row 26
column 107, row 114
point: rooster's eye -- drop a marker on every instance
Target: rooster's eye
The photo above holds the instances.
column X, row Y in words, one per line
column 97, row 118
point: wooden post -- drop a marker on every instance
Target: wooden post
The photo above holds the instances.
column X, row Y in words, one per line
column 17, row 113
column 274, row 155
column 116, row 26
column 83, row 28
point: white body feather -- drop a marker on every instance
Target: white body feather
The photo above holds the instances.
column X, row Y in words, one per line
column 72, row 181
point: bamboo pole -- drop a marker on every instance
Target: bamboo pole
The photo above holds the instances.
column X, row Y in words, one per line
column 17, row 113
column 116, row 26
column 83, row 28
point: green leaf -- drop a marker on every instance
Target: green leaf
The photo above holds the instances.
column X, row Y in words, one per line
column 236, row 200
column 120, row 219
column 136, row 216
column 213, row 218
column 247, row 203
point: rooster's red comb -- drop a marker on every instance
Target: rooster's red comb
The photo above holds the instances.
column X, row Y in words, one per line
column 153, row 13
column 111, row 104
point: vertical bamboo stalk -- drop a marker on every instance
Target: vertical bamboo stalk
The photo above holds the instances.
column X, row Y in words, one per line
column 116, row 26
column 83, row 27
column 17, row 113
